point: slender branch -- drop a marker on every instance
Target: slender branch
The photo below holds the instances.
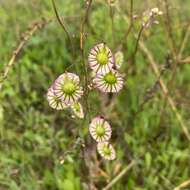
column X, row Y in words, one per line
column 169, row 28
column 164, row 88
column 183, row 45
column 131, row 21
column 82, row 41
column 25, row 38
column 62, row 24
column 184, row 42
column 137, row 42
column 112, row 24
column 183, row 185
column 171, row 102
column 120, row 175
column 186, row 60
column 177, row 54
column 172, row 44
column 84, row 21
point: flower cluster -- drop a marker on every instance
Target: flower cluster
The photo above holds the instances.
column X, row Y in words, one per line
column 103, row 63
column 107, row 79
column 150, row 17
column 66, row 91
column 101, row 131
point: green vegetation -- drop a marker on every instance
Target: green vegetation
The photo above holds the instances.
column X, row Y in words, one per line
column 43, row 149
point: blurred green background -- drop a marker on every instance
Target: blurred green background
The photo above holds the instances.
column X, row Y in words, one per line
column 41, row 148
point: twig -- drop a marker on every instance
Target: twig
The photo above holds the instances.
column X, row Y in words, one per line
column 62, row 23
column 177, row 54
column 164, row 87
column 82, row 28
column 169, row 185
column 25, row 38
column 186, row 60
column 84, row 21
column 169, row 28
column 165, row 90
column 184, row 42
column 137, row 42
column 120, row 175
column 111, row 10
column 183, row 185
column 131, row 20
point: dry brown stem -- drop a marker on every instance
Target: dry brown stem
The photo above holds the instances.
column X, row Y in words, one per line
column 24, row 39
column 120, row 175
column 171, row 102
column 183, row 185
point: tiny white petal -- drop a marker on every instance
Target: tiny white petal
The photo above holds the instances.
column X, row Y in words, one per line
column 106, row 150
column 94, row 63
column 114, row 84
column 77, row 110
column 69, row 97
column 54, row 101
column 119, row 59
column 100, row 129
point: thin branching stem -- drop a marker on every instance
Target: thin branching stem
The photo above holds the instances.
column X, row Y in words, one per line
column 184, row 42
column 165, row 91
column 131, row 21
column 183, row 185
column 112, row 24
column 120, row 175
column 168, row 23
column 24, row 39
column 176, row 54
column 82, row 42
column 62, row 24
column 137, row 42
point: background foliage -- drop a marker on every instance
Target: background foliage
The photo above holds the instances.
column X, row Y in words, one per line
column 34, row 139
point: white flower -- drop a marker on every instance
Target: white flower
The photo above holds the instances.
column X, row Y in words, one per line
column 100, row 129
column 155, row 11
column 67, row 88
column 101, row 59
column 77, row 110
column 109, row 82
column 54, row 101
column 119, row 59
column 150, row 17
column 106, row 150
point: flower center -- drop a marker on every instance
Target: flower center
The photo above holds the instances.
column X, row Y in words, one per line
column 76, row 106
column 110, row 78
column 102, row 57
column 100, row 130
column 69, row 88
column 106, row 150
